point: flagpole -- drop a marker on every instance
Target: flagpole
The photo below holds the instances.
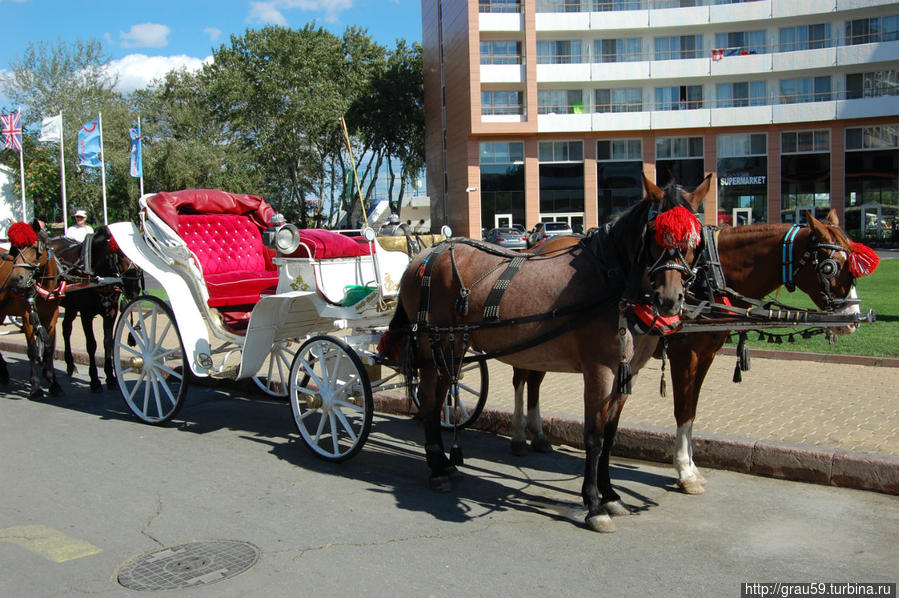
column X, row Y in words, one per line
column 102, row 165
column 62, row 175
column 22, row 171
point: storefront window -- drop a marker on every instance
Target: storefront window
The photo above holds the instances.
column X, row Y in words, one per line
column 742, row 178
column 872, row 184
column 502, row 182
column 619, row 175
column 804, row 174
column 562, row 181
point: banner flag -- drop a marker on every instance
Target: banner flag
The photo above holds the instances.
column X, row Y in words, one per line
column 137, row 165
column 51, row 129
column 12, row 130
column 89, row 144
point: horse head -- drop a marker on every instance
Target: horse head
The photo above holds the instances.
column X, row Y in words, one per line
column 107, row 259
column 673, row 235
column 29, row 252
column 830, row 265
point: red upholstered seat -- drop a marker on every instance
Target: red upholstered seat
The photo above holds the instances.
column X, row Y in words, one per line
column 323, row 244
column 237, row 267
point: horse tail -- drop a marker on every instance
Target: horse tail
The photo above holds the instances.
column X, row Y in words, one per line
column 398, row 344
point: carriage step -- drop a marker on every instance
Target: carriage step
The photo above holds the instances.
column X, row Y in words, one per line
column 228, row 373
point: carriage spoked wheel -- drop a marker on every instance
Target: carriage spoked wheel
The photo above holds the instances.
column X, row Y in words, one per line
column 275, row 381
column 149, row 360
column 473, row 379
column 330, row 395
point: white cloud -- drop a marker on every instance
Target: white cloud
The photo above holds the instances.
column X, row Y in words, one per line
column 146, row 35
column 137, row 71
column 213, row 33
column 272, row 12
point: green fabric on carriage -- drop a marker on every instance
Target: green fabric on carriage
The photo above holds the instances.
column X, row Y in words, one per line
column 354, row 293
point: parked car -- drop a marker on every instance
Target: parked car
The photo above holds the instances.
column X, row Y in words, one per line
column 545, row 230
column 507, row 237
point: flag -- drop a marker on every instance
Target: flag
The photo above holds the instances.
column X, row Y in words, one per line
column 89, row 144
column 137, row 165
column 12, row 130
column 51, row 129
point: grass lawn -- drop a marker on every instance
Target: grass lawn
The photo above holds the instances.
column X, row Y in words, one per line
column 879, row 292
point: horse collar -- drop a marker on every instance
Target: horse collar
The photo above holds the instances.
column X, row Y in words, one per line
column 787, row 271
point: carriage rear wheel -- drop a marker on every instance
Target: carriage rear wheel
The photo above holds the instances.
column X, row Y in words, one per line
column 149, row 360
column 330, row 396
column 275, row 381
column 473, row 384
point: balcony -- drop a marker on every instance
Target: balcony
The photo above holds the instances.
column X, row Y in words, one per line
column 500, row 21
column 502, row 73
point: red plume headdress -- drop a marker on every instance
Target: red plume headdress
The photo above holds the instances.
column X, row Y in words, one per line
column 21, row 235
column 677, row 228
column 862, row 260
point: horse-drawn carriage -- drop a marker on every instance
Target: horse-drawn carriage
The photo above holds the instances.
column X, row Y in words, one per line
column 246, row 296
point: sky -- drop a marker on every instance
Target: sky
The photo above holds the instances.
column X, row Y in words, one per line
column 147, row 38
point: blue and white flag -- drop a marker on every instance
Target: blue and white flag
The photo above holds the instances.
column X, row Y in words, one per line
column 137, row 164
column 89, row 144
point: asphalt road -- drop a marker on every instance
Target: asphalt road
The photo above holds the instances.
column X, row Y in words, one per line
column 84, row 488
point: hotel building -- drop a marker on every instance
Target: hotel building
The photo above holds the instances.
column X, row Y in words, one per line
column 541, row 110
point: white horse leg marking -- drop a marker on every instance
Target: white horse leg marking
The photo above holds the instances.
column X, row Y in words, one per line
column 519, row 439
column 687, row 477
column 535, row 425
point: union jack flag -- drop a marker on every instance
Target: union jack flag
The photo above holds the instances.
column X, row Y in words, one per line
column 12, row 130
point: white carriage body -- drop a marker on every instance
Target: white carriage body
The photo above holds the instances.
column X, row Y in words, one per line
column 306, row 300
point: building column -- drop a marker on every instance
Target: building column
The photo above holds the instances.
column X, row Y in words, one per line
column 531, row 183
column 591, row 209
column 774, row 174
column 710, row 164
column 838, row 172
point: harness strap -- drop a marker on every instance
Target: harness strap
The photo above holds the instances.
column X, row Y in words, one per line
column 491, row 306
column 424, row 272
column 787, row 259
column 711, row 256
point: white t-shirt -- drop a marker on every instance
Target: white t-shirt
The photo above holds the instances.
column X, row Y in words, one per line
column 78, row 233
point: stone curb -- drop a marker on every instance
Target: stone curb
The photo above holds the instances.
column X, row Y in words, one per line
column 768, row 458
column 892, row 362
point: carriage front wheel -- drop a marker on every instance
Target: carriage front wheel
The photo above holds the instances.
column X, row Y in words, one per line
column 330, row 396
column 149, row 360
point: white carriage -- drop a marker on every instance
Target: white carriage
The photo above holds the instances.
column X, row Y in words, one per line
column 246, row 296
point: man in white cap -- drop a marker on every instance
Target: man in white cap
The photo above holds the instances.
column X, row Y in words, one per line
column 80, row 229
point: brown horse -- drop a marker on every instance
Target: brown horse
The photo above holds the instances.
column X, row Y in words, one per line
column 97, row 276
column 29, row 279
column 751, row 260
column 561, row 314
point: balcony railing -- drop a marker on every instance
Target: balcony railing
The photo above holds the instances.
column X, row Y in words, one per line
column 618, row 5
column 499, row 6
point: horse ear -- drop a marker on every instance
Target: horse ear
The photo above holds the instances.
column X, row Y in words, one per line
column 816, row 225
column 832, row 218
column 653, row 192
column 696, row 198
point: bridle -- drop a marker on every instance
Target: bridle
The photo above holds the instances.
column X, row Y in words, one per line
column 672, row 258
column 822, row 257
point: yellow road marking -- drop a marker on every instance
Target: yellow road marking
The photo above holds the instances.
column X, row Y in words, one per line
column 51, row 544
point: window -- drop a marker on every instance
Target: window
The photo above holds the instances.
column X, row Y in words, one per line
column 500, row 52
column 618, row 50
column 869, row 31
column 742, row 145
column 501, row 152
column 872, row 85
column 809, row 89
column 629, row 99
column 500, row 6
column 678, row 147
column 804, row 37
column 561, row 151
column 561, row 6
column 619, row 149
column 739, row 43
column 805, row 142
column 501, row 102
column 675, row 48
column 560, row 101
column 559, row 52
column 614, row 5
column 685, row 97
column 872, row 138
column 743, row 93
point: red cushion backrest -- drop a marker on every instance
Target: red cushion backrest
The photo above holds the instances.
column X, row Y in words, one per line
column 223, row 242
column 326, row 244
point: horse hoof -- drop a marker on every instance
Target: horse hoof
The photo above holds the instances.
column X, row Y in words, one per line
column 601, row 523
column 114, row 385
column 56, row 390
column 616, row 508
column 519, row 448
column 541, row 445
column 699, row 477
column 70, row 371
column 440, row 483
column 36, row 396
column 691, row 486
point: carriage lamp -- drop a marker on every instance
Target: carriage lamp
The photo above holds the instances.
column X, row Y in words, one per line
column 280, row 236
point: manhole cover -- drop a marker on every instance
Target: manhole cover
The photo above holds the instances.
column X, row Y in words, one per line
column 188, row 565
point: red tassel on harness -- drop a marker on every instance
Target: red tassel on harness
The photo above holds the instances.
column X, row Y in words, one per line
column 677, row 228
column 862, row 260
column 113, row 246
column 389, row 347
column 21, row 235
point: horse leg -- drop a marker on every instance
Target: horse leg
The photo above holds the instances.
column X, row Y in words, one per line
column 690, row 360
column 108, row 325
column 49, row 353
column 430, row 386
column 4, row 371
column 90, row 344
column 597, row 391
column 34, row 356
column 71, row 313
column 540, row 442
column 519, row 445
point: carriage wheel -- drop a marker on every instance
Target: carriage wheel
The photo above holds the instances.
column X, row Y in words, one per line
column 330, row 396
column 472, row 396
column 275, row 381
column 149, row 360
